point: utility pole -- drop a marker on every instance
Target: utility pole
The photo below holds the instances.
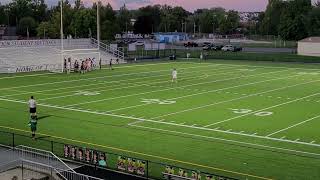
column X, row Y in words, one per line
column 194, row 27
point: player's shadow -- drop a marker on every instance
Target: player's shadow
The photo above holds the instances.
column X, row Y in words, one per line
column 42, row 137
column 43, row 117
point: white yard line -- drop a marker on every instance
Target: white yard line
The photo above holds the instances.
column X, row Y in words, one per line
column 228, row 140
column 285, row 103
column 166, row 123
column 235, row 99
column 149, row 92
column 295, row 125
column 122, row 86
column 22, row 76
column 101, row 77
column 135, row 122
column 203, row 92
column 108, row 82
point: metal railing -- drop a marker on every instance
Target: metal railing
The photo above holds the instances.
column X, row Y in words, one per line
column 153, row 169
column 31, row 169
column 51, row 159
column 107, row 48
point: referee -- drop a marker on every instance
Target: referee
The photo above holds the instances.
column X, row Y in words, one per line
column 32, row 106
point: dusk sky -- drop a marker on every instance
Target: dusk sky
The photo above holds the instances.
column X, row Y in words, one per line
column 191, row 5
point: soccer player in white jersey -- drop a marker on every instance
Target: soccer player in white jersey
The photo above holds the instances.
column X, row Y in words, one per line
column 174, row 75
column 32, row 106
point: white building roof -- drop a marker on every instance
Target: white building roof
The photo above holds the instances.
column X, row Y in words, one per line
column 311, row 40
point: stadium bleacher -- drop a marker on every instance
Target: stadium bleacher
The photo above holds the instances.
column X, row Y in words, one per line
column 15, row 54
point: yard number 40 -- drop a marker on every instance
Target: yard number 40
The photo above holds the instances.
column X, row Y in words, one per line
column 246, row 111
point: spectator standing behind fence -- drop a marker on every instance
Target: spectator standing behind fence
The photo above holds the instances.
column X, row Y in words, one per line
column 117, row 61
column 65, row 65
column 110, row 64
column 89, row 64
column 76, row 66
column 82, row 67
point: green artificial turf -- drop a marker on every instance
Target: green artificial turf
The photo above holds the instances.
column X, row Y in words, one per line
column 244, row 120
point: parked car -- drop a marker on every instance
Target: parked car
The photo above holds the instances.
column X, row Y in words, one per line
column 236, row 48
column 207, row 47
column 231, row 48
column 228, row 48
column 190, row 44
column 219, row 47
column 212, row 47
column 206, row 44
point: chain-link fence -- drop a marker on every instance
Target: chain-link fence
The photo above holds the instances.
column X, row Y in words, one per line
column 51, row 150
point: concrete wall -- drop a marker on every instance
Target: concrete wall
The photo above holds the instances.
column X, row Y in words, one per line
column 309, row 48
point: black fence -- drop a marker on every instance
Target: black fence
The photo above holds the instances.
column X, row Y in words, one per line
column 196, row 53
column 151, row 169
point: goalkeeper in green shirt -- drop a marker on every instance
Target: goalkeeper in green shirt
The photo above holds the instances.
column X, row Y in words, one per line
column 33, row 125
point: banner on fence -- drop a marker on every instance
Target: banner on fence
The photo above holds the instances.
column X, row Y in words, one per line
column 131, row 165
column 85, row 155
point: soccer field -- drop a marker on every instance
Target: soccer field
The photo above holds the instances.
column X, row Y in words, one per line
column 246, row 120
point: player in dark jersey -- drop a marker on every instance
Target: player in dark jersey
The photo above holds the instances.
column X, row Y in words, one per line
column 110, row 64
column 33, row 126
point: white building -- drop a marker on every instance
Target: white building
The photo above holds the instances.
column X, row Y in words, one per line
column 309, row 46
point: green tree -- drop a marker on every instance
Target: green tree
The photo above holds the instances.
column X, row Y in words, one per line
column 46, row 30
column 83, row 22
column 313, row 21
column 39, row 10
column 109, row 27
column 78, row 4
column 165, row 18
column 294, row 17
column 124, row 19
column 27, row 25
column 179, row 18
column 271, row 20
column 230, row 23
column 3, row 15
column 148, row 19
column 210, row 20
column 258, row 24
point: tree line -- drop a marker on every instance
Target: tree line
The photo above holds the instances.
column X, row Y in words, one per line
column 289, row 20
